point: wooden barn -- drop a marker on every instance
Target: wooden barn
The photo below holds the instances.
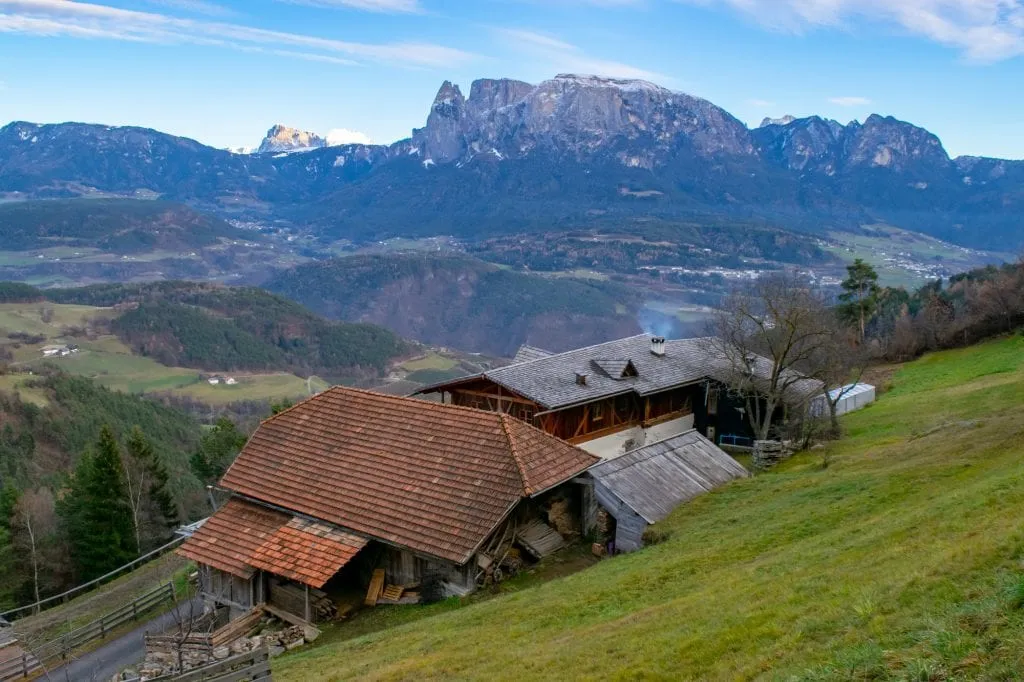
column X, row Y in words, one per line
column 642, row 487
column 352, row 490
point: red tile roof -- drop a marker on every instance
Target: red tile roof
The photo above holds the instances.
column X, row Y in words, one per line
column 433, row 478
column 229, row 538
column 307, row 551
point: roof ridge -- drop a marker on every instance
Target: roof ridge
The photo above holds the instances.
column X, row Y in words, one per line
column 566, row 352
column 386, row 396
column 520, row 464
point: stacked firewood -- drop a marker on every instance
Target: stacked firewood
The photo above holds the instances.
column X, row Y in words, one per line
column 292, row 598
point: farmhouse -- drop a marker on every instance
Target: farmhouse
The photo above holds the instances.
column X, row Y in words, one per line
column 414, row 499
column 616, row 396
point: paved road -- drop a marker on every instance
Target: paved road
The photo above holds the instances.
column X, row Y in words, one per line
column 102, row 664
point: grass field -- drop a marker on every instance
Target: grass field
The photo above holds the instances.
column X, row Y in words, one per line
column 16, row 383
column 254, row 387
column 110, row 362
column 429, row 361
column 884, row 243
column 900, row 560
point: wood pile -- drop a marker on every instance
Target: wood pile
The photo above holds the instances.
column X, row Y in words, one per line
column 380, row 593
column 292, row 598
column 400, row 594
column 562, row 519
column 767, row 453
column 539, row 539
column 240, row 627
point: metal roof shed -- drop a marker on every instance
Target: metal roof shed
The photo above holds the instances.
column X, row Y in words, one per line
column 851, row 397
column 642, row 487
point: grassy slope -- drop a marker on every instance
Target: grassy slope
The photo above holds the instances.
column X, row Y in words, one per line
column 110, row 362
column 901, row 560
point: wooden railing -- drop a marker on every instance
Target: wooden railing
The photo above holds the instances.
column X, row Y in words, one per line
column 22, row 666
column 63, row 646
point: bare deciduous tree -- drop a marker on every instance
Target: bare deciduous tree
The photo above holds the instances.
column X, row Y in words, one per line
column 767, row 337
column 35, row 522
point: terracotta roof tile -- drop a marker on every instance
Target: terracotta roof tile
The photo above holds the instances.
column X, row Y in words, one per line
column 434, row 478
column 307, row 551
column 228, row 538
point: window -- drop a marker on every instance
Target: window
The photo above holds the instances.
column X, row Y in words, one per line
column 597, row 412
column 713, row 402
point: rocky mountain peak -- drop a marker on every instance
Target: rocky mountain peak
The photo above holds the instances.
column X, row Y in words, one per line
column 784, row 121
column 576, row 114
column 890, row 143
column 281, row 138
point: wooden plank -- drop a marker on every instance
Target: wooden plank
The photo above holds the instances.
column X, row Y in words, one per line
column 392, row 592
column 540, row 539
column 287, row 617
column 376, row 587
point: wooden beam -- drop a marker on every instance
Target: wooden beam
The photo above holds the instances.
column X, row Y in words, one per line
column 582, row 426
column 484, row 394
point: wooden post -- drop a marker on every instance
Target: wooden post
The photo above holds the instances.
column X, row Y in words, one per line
column 308, row 619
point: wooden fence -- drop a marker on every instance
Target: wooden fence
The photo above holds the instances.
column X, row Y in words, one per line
column 253, row 666
column 63, row 646
column 63, row 597
column 21, row 666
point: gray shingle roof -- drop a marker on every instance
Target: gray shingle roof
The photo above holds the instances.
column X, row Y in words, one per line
column 657, row 478
column 551, row 380
column 528, row 353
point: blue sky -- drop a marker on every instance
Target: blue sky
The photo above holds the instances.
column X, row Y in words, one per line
column 223, row 71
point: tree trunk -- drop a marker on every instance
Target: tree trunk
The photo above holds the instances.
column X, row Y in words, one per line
column 35, row 559
column 833, row 419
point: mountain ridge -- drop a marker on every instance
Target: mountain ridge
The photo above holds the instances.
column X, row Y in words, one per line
column 571, row 151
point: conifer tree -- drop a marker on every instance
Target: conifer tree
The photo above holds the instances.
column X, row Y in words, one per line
column 860, row 294
column 217, row 450
column 96, row 513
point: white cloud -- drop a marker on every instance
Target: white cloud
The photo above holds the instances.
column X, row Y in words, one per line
column 983, row 30
column 850, row 101
column 389, row 6
column 536, row 39
column 566, row 57
column 84, row 20
column 194, row 6
column 345, row 136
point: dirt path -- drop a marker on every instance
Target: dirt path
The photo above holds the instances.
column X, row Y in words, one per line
column 102, row 664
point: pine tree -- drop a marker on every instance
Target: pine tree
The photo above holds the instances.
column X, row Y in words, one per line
column 860, row 294
column 96, row 513
column 217, row 450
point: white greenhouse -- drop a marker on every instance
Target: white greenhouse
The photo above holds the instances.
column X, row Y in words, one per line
column 851, row 397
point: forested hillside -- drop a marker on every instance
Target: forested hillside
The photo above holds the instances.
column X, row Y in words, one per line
column 115, row 225
column 217, row 328
column 462, row 302
column 50, row 485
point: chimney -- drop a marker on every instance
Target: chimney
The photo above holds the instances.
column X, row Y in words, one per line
column 658, row 346
column 581, row 379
